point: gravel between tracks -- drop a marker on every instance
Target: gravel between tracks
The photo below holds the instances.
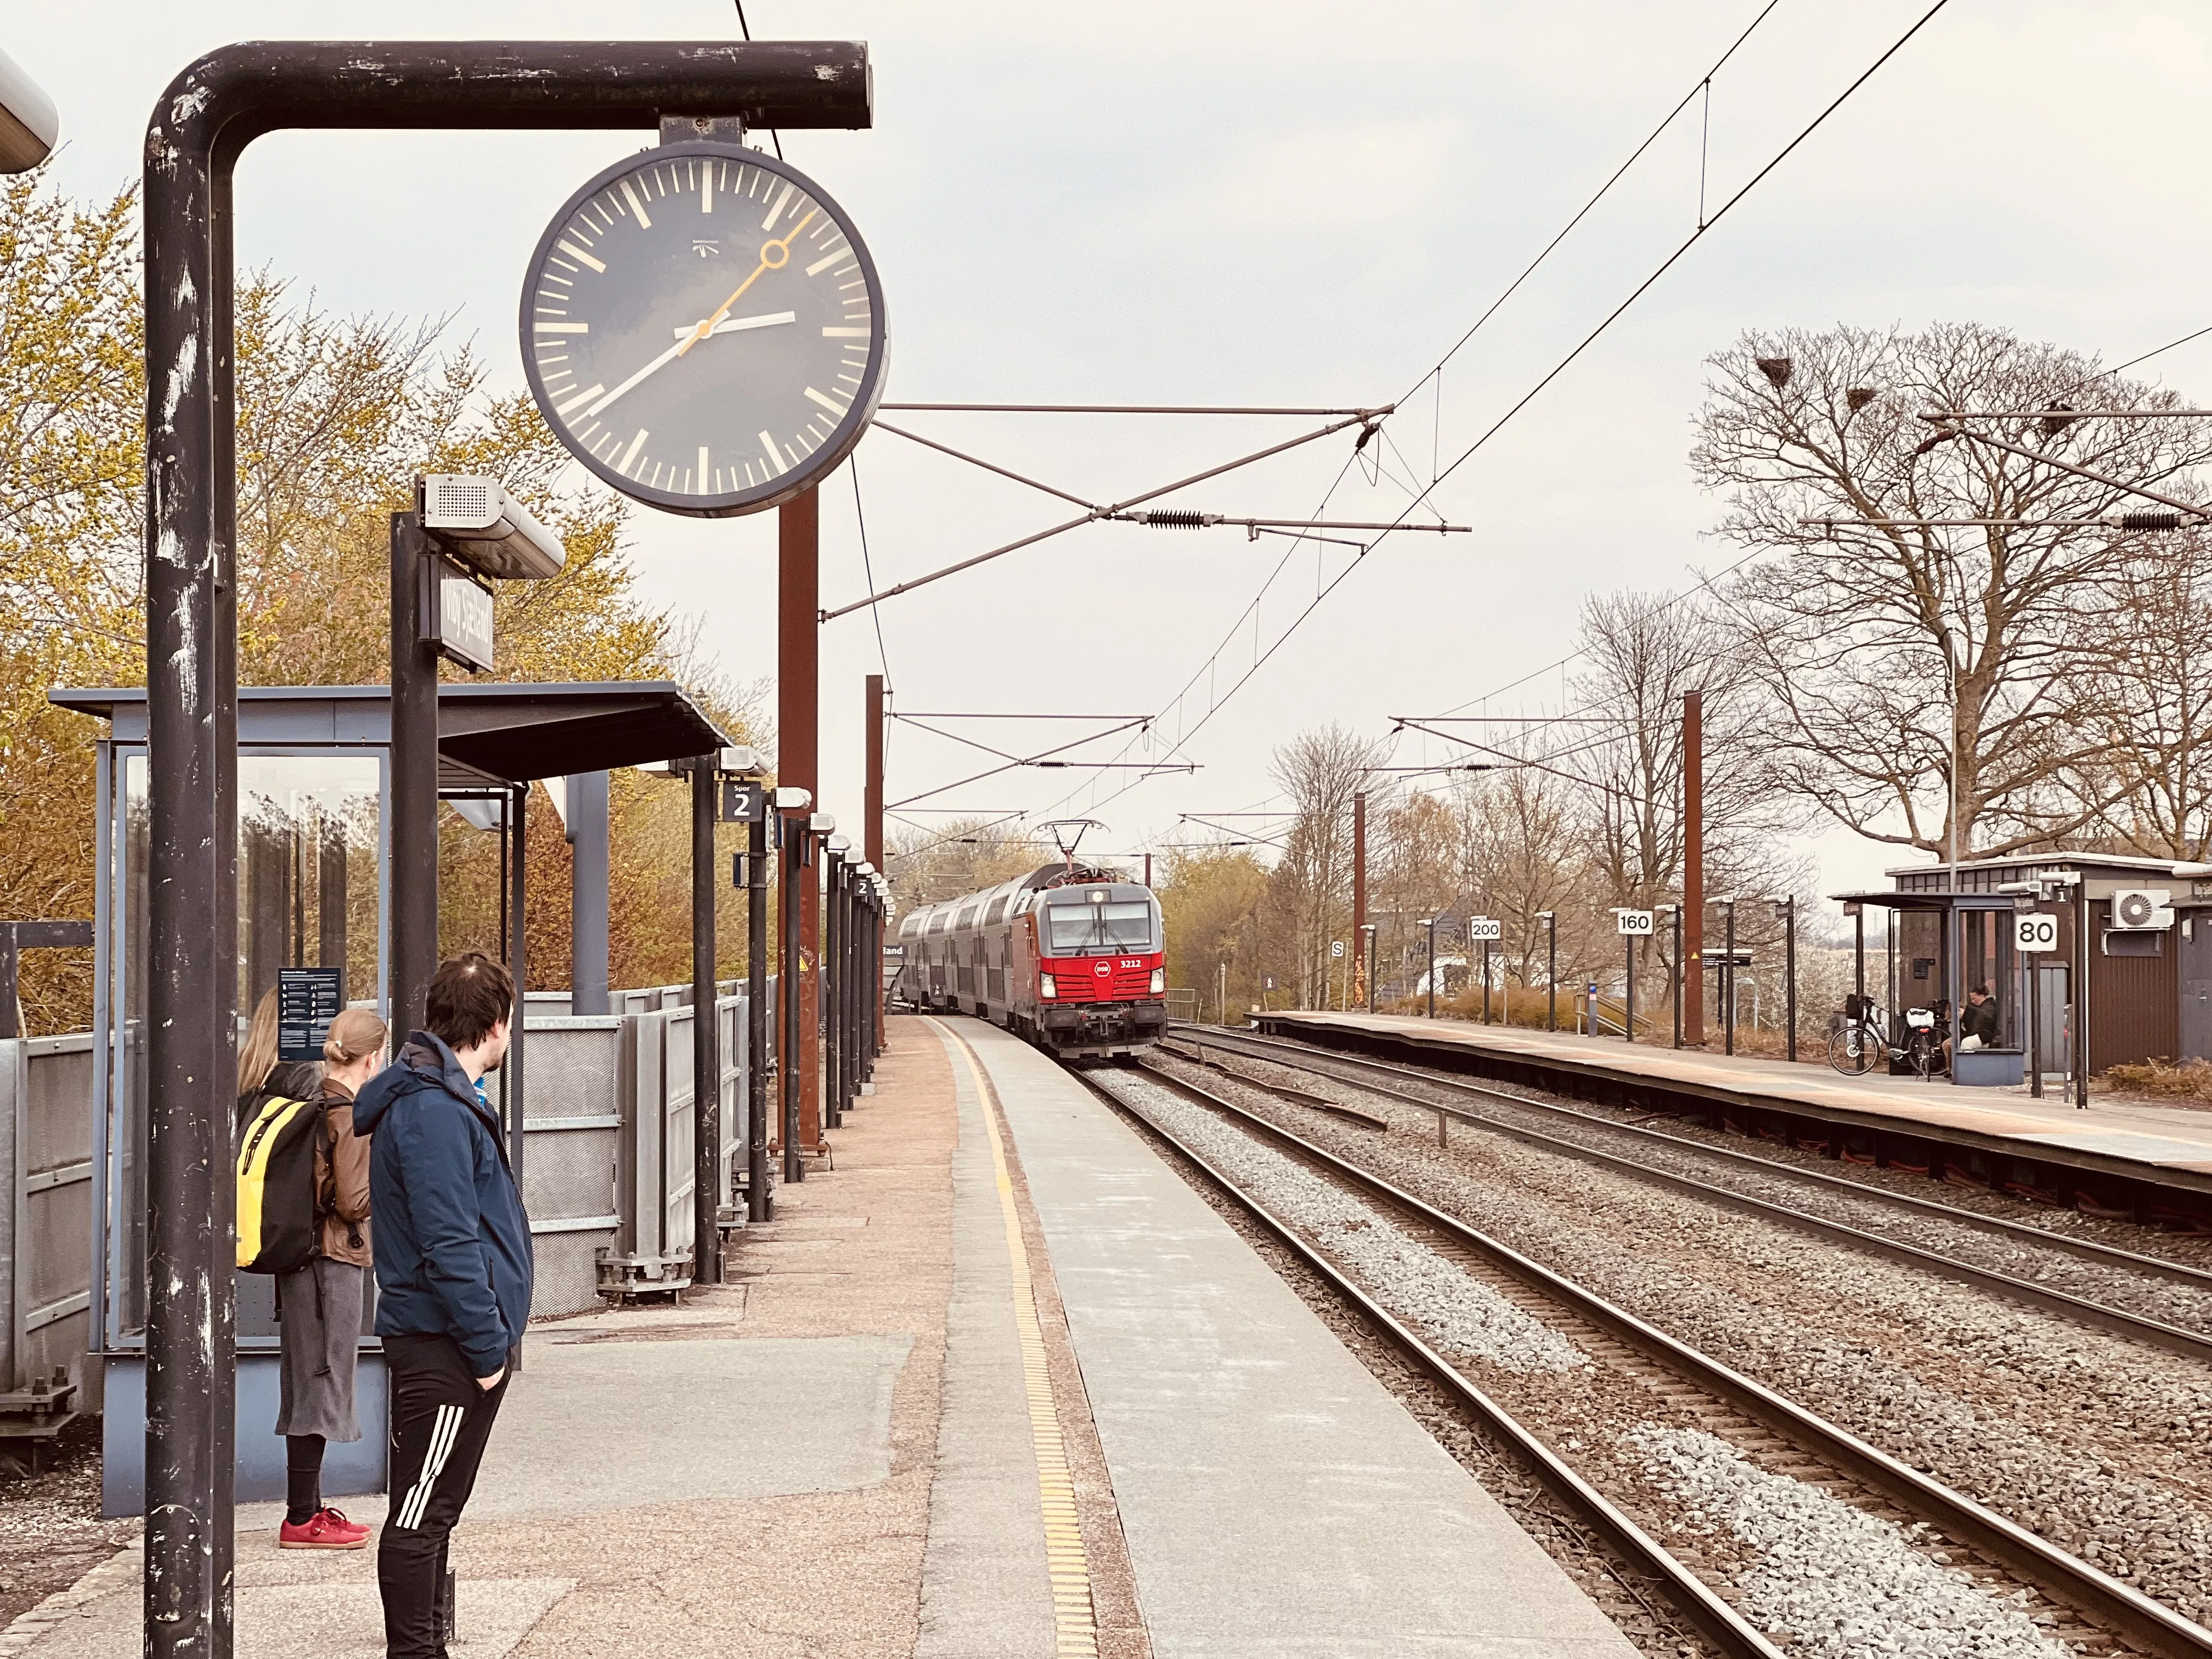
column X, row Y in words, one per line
column 1829, row 1579
column 2101, row 1446
column 1634, row 1603
column 2186, row 1305
column 1842, row 1583
column 1467, row 1317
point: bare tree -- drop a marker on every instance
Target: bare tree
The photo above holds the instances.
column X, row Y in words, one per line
column 1320, row 771
column 2150, row 708
column 1645, row 652
column 1880, row 643
column 958, row 858
column 1529, row 855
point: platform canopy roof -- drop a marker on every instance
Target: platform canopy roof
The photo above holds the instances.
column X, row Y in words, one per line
column 488, row 733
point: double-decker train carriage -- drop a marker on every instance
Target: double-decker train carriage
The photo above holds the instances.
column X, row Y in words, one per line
column 1070, row 956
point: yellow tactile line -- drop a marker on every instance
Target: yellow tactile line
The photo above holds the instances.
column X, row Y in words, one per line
column 1073, row 1618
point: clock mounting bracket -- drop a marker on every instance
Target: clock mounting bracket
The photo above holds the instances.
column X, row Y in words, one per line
column 689, row 129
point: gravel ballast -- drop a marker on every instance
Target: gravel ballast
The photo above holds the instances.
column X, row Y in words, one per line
column 2100, row 1445
column 1811, row 1570
column 1839, row 1583
column 1466, row 1316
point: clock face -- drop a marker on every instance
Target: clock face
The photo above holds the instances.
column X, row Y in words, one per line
column 703, row 328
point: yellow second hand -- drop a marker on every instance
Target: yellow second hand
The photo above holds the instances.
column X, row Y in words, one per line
column 782, row 247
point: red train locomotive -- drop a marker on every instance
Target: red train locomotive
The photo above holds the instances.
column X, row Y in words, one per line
column 1069, row 957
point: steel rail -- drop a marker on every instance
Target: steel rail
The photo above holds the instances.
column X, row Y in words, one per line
column 1692, row 1597
column 2116, row 1321
column 2127, row 1612
column 2108, row 1256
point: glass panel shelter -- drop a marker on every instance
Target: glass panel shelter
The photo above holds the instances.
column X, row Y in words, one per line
column 313, row 863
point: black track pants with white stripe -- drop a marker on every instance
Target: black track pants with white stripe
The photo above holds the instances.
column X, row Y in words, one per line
column 440, row 1420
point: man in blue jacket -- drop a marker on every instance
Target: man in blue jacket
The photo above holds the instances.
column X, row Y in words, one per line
column 453, row 1279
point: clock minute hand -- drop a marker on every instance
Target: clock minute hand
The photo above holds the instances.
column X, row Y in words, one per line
column 781, row 247
column 655, row 366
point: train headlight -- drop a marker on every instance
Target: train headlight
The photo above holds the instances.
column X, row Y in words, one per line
column 1047, row 989
column 1159, row 981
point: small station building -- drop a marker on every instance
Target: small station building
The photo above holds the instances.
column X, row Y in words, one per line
column 2135, row 932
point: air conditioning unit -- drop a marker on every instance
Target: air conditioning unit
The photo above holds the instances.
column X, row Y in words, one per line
column 2143, row 907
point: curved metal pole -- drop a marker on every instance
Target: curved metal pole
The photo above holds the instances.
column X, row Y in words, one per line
column 200, row 125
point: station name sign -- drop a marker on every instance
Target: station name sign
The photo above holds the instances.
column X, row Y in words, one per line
column 456, row 615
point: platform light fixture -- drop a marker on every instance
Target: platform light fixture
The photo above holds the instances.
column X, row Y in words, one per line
column 487, row 529
column 30, row 126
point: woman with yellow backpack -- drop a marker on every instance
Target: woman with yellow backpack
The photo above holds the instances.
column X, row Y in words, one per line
column 303, row 1216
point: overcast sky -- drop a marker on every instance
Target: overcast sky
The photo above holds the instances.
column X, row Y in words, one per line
column 1257, row 204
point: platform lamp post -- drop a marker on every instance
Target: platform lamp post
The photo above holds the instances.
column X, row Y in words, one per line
column 201, row 125
column 465, row 534
column 841, row 992
column 806, row 984
column 1726, row 976
column 1674, row 967
column 1550, row 922
column 831, row 985
column 1367, row 946
column 792, row 803
column 1429, row 925
column 714, row 800
column 864, row 1021
column 1786, row 909
column 748, row 793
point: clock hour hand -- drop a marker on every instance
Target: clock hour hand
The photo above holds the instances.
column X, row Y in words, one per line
column 734, row 325
column 653, row 367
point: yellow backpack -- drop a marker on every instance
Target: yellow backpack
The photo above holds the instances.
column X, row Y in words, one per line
column 278, row 1222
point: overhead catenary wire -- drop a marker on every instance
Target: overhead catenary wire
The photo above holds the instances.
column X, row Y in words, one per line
column 1612, row 316
column 1359, row 418
column 745, row 30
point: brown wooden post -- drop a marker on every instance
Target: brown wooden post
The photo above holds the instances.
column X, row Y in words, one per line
column 798, row 714
column 871, row 824
column 1358, row 892
column 1694, row 869
column 871, row 832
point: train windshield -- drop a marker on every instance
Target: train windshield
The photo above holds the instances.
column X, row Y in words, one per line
column 1081, row 929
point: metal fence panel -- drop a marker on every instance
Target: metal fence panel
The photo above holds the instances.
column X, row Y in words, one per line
column 45, row 1151
column 679, row 1136
column 570, row 1165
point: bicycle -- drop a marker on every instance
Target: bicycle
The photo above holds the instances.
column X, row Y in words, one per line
column 1856, row 1046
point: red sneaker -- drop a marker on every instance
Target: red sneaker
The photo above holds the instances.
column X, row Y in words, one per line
column 325, row 1529
column 337, row 1518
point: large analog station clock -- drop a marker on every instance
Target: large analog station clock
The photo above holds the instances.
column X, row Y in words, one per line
column 702, row 326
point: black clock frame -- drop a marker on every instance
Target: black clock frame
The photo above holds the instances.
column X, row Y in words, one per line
column 843, row 437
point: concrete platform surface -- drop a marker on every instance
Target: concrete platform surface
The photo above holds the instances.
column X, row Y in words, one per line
column 2169, row 1139
column 1277, row 1499
column 984, row 1390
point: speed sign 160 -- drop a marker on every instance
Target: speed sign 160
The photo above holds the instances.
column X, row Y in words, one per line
column 2035, row 933
column 1633, row 921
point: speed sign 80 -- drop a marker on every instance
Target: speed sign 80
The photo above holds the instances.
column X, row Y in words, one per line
column 2035, row 933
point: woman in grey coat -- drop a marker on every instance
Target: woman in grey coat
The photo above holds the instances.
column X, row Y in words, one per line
column 319, row 1306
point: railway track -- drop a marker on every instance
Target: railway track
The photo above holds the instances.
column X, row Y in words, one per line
column 1769, row 1429
column 1405, row 1082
